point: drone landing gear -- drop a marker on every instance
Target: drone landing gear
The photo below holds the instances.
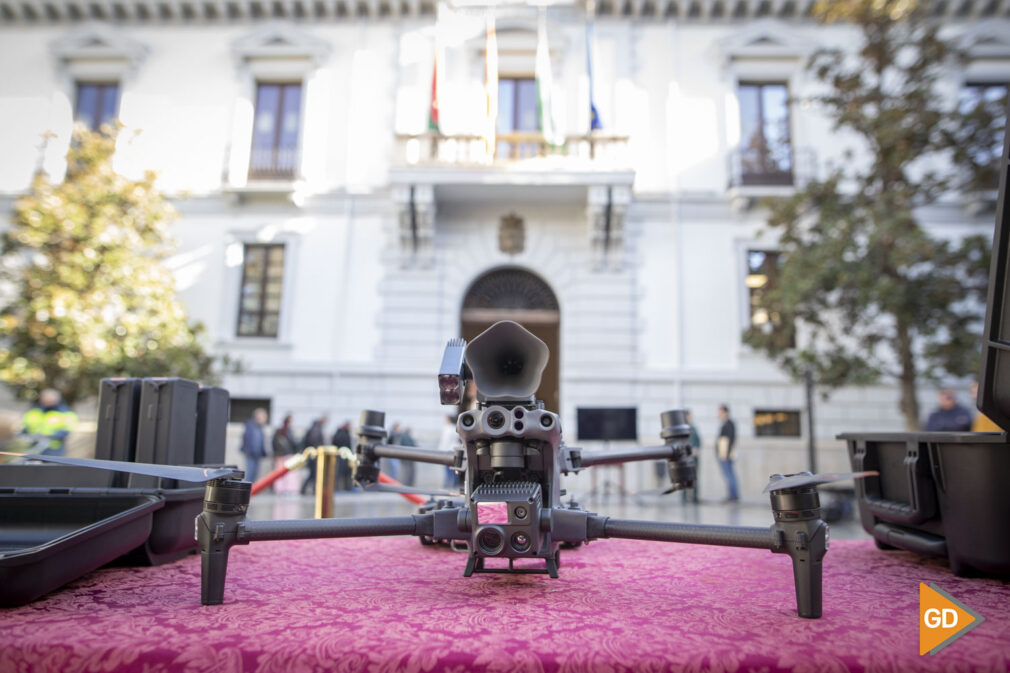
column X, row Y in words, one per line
column 475, row 564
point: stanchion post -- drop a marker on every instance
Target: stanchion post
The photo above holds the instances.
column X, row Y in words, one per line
column 326, row 479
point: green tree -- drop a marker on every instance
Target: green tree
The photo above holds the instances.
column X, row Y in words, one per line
column 88, row 294
column 871, row 293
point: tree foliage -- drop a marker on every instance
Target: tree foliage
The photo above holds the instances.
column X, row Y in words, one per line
column 872, row 294
column 88, row 294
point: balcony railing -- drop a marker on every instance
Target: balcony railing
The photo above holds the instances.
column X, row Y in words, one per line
column 273, row 163
column 467, row 149
column 790, row 167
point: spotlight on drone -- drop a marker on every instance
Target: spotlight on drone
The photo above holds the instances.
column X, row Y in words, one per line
column 507, row 362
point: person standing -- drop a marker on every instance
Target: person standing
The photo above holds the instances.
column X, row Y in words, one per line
column 724, row 449
column 283, row 445
column 949, row 416
column 408, row 468
column 313, row 437
column 695, row 441
column 342, row 437
column 253, row 443
column 50, row 418
column 448, row 442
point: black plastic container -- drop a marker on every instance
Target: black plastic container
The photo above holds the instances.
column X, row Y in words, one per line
column 49, row 537
column 938, row 494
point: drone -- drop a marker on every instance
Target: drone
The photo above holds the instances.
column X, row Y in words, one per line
column 511, row 461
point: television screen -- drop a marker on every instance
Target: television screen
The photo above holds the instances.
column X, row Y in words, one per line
column 607, row 423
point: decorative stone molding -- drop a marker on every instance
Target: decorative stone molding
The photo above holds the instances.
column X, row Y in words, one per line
column 97, row 51
column 280, row 42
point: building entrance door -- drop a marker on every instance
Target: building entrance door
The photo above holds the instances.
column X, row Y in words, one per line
column 519, row 295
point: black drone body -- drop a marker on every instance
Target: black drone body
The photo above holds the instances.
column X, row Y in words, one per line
column 511, row 459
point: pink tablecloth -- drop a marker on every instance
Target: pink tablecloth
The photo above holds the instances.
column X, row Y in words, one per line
column 385, row 605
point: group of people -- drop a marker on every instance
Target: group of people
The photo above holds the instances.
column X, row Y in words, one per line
column 284, row 444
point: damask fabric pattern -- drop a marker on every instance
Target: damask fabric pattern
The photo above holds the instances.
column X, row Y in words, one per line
column 383, row 605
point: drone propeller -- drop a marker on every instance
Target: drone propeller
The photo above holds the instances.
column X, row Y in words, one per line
column 377, row 487
column 180, row 472
column 807, row 479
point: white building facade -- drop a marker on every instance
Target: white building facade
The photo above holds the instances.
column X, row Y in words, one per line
column 333, row 243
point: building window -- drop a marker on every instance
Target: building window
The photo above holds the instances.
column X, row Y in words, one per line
column 762, row 274
column 518, row 124
column 260, row 295
column 765, row 154
column 97, row 103
column 777, row 423
column 275, row 131
column 986, row 105
column 242, row 408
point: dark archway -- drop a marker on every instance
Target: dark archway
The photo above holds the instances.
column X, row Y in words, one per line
column 519, row 295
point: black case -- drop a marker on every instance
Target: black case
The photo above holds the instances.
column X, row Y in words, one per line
column 166, row 430
column 946, row 494
column 213, row 407
column 118, row 410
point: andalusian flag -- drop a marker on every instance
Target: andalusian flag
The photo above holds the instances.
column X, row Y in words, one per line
column 433, row 109
column 491, row 85
column 545, row 85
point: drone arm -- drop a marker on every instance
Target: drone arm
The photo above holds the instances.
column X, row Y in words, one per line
column 661, row 452
column 447, row 458
column 296, row 529
column 723, row 536
column 805, row 541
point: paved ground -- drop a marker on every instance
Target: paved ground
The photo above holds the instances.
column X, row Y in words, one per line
column 649, row 507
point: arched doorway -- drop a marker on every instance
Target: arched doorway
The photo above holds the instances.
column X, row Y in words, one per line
column 517, row 294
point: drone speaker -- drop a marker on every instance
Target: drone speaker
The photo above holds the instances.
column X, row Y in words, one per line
column 507, row 361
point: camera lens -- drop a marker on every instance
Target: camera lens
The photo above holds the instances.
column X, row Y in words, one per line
column 518, row 412
column 467, row 420
column 496, row 420
column 490, row 541
column 521, row 542
column 546, row 421
column 520, row 512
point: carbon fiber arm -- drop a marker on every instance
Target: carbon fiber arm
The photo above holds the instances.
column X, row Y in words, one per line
column 447, row 458
column 661, row 452
column 723, row 536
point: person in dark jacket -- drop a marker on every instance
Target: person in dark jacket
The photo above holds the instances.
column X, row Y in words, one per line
column 949, row 416
column 408, row 471
column 724, row 446
column 342, row 437
column 254, row 444
column 313, row 437
column 283, row 445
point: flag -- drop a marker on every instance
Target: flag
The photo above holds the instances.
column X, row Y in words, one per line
column 594, row 115
column 491, row 85
column 545, row 86
column 433, row 109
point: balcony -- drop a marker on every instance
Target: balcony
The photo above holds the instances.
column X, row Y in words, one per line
column 592, row 151
column 277, row 164
column 758, row 173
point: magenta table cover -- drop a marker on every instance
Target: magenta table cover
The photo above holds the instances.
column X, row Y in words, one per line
column 392, row 605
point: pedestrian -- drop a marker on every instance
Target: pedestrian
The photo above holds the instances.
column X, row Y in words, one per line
column 448, row 442
column 254, row 444
column 724, row 449
column 949, row 416
column 981, row 422
column 695, row 441
column 314, row 437
column 408, row 471
column 342, row 438
column 283, row 445
column 391, row 466
column 51, row 419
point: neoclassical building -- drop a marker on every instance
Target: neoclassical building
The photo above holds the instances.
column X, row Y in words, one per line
column 331, row 239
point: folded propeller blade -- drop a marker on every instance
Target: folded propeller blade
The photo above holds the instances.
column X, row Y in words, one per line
column 807, row 479
column 180, row 472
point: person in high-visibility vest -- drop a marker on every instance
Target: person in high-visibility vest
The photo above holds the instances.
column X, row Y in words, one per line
column 52, row 418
